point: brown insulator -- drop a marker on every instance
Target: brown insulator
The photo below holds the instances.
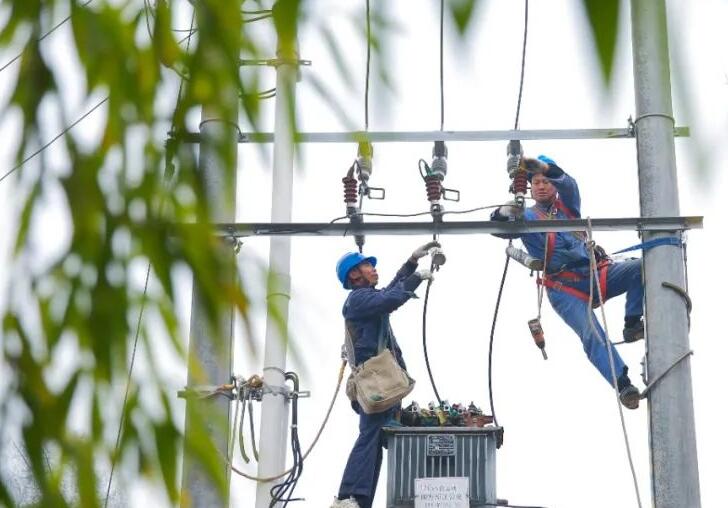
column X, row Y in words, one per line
column 520, row 183
column 351, row 192
column 433, row 184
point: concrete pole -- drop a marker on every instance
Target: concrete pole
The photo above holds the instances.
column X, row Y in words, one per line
column 671, row 417
column 274, row 415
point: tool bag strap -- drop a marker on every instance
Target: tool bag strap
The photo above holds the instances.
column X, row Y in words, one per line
column 383, row 340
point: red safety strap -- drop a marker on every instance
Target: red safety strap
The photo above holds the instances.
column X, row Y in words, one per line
column 556, row 285
column 547, row 281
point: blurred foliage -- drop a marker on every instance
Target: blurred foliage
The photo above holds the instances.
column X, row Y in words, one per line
column 127, row 197
column 603, row 17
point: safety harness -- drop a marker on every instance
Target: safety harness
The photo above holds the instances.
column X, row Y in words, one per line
column 549, row 280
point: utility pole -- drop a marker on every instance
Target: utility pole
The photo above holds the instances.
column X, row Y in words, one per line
column 210, row 346
column 671, row 417
column 274, row 416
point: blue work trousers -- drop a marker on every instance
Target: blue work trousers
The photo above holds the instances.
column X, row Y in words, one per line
column 622, row 277
column 365, row 460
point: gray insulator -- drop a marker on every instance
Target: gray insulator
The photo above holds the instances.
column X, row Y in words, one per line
column 514, row 162
column 365, row 168
column 439, row 167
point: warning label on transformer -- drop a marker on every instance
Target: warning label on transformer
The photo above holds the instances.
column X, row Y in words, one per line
column 442, row 492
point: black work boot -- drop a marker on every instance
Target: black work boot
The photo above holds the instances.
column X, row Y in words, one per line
column 629, row 395
column 634, row 329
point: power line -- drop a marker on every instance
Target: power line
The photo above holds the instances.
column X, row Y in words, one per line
column 523, row 66
column 490, row 344
column 61, row 134
column 64, row 20
column 369, row 57
column 505, row 267
column 192, row 31
column 442, row 67
column 128, row 385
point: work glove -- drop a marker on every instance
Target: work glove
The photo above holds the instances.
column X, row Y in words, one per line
column 425, row 274
column 535, row 166
column 508, row 211
column 423, row 250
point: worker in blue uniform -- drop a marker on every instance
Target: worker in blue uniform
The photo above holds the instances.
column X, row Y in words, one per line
column 365, row 309
column 566, row 274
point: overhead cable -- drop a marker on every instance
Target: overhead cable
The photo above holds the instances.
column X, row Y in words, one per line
column 505, row 267
column 442, row 67
column 523, row 67
column 366, row 82
column 56, row 138
column 58, row 25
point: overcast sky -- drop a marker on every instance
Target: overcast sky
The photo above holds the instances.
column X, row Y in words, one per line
column 563, row 443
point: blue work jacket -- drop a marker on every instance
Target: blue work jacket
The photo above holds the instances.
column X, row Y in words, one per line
column 366, row 309
column 569, row 248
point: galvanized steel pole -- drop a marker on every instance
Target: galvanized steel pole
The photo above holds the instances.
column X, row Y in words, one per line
column 210, row 346
column 672, row 421
column 274, row 416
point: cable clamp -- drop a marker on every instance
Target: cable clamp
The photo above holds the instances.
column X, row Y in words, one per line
column 284, row 391
column 652, row 384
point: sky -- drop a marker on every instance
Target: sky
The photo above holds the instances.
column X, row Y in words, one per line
column 563, row 442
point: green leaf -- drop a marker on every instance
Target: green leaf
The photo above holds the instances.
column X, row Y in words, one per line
column 603, row 17
column 462, row 13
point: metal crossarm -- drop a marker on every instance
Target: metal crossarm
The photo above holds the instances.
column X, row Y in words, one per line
column 459, row 227
column 429, row 136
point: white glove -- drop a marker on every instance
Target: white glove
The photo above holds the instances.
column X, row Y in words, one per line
column 423, row 250
column 510, row 210
column 425, row 274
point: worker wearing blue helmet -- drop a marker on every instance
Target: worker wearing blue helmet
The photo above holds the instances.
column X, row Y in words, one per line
column 366, row 309
column 567, row 271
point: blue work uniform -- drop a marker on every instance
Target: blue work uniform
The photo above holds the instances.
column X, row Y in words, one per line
column 365, row 310
column 568, row 255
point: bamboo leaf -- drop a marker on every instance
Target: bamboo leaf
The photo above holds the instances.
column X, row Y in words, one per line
column 603, row 17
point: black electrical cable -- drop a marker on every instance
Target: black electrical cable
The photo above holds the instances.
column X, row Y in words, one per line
column 128, row 383
column 424, row 338
column 58, row 25
column 490, row 345
column 442, row 67
column 242, row 400
column 505, row 267
column 283, row 492
column 523, row 67
column 252, row 429
column 369, row 56
column 56, row 138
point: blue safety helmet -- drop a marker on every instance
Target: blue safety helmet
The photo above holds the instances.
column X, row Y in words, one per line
column 349, row 261
column 542, row 158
